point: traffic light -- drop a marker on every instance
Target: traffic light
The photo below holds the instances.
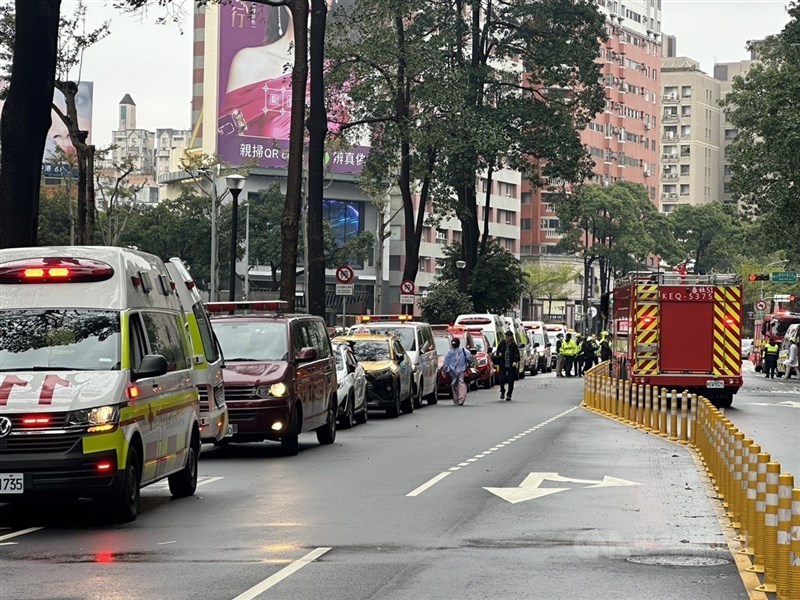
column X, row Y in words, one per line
column 758, row 277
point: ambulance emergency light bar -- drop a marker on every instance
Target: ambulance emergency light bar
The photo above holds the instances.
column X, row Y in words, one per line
column 55, row 270
column 247, row 306
column 382, row 318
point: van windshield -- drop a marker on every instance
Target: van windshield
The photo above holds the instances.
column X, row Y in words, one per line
column 477, row 340
column 252, row 340
column 59, row 340
column 490, row 337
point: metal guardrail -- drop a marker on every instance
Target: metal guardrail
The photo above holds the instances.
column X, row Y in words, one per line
column 673, row 278
column 761, row 502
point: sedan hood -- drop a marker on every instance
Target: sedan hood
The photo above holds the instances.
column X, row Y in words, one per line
column 374, row 366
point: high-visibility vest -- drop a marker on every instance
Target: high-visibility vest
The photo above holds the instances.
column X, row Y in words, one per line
column 771, row 349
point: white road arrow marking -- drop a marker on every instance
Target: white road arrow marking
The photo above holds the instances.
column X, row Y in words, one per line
column 613, row 482
column 529, row 488
column 786, row 403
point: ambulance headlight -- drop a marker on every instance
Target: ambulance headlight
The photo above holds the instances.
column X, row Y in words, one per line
column 101, row 418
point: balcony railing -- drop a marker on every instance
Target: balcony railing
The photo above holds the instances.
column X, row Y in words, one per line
column 669, row 158
column 670, row 118
column 670, row 99
column 551, row 233
column 669, row 176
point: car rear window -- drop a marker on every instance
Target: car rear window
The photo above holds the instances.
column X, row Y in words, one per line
column 404, row 334
column 371, row 351
column 442, row 344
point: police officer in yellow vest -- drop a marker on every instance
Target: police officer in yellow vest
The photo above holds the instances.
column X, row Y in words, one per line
column 569, row 350
column 770, row 358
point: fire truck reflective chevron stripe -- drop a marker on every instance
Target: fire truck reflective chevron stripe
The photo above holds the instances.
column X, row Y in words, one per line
column 646, row 333
column 727, row 330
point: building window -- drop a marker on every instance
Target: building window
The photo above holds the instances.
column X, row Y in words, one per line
column 684, row 189
column 525, row 198
column 525, row 224
column 441, row 236
column 686, row 91
column 685, row 170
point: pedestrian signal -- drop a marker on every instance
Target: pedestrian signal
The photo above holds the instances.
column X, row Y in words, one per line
column 758, row 277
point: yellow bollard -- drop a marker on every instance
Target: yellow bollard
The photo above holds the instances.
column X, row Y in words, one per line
column 794, row 557
column 761, row 505
column 626, row 401
column 648, row 408
column 662, row 414
column 684, row 417
column 673, row 415
column 784, row 537
column 693, row 420
column 771, row 529
column 744, row 532
column 752, row 474
column 735, row 503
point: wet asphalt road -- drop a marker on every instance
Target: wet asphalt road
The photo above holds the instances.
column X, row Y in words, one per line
column 397, row 509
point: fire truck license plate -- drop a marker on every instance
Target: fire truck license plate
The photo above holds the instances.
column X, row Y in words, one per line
column 715, row 384
column 11, row 483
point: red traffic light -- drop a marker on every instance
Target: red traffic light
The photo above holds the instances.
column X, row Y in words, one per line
column 751, row 277
column 792, row 297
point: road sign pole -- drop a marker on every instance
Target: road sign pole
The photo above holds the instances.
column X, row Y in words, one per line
column 344, row 312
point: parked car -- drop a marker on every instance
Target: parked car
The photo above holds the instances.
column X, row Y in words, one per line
column 387, row 369
column 537, row 332
column 280, row 374
column 467, row 342
column 483, row 359
column 442, row 339
column 528, row 355
column 417, row 340
column 747, row 347
column 352, row 387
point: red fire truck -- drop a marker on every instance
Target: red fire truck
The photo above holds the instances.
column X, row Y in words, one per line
column 680, row 331
column 773, row 327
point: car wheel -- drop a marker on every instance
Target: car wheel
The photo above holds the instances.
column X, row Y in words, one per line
column 363, row 416
column 347, row 419
column 522, row 375
column 534, row 371
column 184, row 482
column 327, row 433
column 418, row 394
column 124, row 504
column 433, row 397
column 393, row 411
column 407, row 405
column 290, row 443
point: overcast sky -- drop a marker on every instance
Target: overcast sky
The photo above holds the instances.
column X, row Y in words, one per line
column 153, row 63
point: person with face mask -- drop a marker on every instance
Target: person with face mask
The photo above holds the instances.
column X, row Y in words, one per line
column 455, row 366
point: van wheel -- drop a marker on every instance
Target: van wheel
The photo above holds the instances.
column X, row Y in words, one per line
column 347, row 420
column 327, row 433
column 290, row 443
column 124, row 504
column 407, row 405
column 184, row 482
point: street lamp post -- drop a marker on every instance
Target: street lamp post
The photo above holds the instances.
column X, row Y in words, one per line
column 235, row 184
column 247, row 251
column 462, row 282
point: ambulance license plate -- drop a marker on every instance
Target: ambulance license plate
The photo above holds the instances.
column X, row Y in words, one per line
column 715, row 384
column 11, row 483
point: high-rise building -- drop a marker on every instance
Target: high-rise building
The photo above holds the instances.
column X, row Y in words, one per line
column 622, row 139
column 690, row 135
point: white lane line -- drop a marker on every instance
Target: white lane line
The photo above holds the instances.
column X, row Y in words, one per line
column 8, row 543
column 427, row 484
column 273, row 580
column 8, row 536
column 209, row 480
column 431, row 482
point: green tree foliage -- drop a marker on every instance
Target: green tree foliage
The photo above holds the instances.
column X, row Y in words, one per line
column 54, row 219
column 546, row 282
column 712, row 234
column 765, row 156
column 616, row 226
column 496, row 282
column 443, row 302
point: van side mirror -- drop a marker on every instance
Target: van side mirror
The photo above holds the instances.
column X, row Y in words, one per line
column 536, row 345
column 152, row 365
column 400, row 358
column 306, row 354
column 474, row 351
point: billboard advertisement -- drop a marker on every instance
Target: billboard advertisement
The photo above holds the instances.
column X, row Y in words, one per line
column 256, row 54
column 58, row 136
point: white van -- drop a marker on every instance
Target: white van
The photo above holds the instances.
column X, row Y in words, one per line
column 207, row 360
column 792, row 335
column 416, row 338
column 98, row 395
column 527, row 352
column 492, row 326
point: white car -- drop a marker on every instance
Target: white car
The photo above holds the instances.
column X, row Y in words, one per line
column 352, row 390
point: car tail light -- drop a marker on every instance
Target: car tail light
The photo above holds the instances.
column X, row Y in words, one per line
column 55, row 270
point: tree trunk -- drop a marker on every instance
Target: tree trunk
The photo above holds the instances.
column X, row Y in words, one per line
column 91, row 206
column 294, row 176
column 487, row 205
column 26, row 119
column 317, row 130
column 81, row 236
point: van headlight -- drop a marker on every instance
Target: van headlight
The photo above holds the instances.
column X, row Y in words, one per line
column 101, row 418
column 279, row 390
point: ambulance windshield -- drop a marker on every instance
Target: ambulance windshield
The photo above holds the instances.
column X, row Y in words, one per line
column 59, row 340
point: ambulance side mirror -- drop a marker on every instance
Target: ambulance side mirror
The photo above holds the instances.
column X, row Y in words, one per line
column 153, row 365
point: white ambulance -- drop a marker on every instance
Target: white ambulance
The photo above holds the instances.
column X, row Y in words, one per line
column 207, row 357
column 97, row 397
